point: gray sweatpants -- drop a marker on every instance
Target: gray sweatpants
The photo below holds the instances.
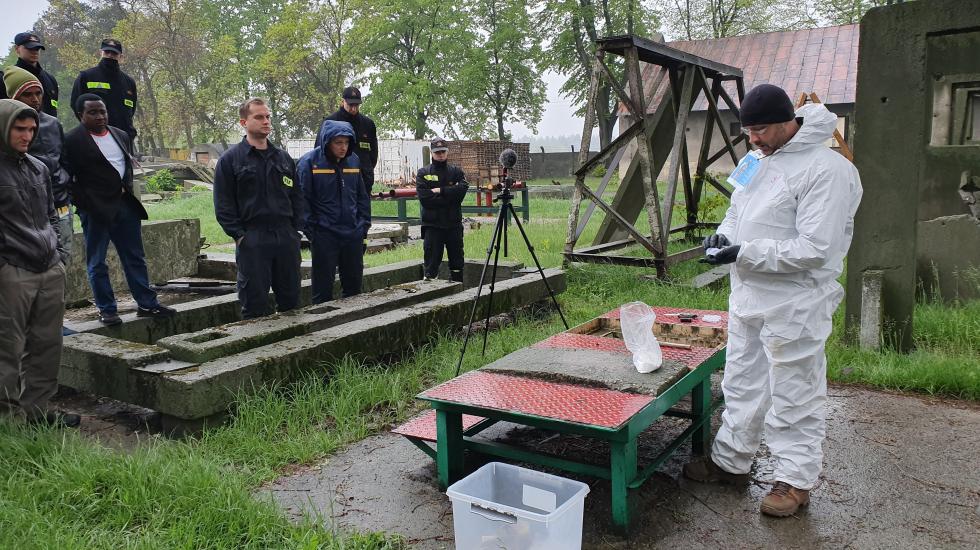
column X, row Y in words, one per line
column 65, row 233
column 32, row 307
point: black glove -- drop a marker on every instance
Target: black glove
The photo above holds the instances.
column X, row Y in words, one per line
column 726, row 255
column 716, row 241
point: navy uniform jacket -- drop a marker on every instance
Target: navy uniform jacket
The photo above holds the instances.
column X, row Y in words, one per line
column 443, row 209
column 255, row 188
column 334, row 192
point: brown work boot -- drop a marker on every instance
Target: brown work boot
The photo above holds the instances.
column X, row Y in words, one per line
column 706, row 471
column 784, row 500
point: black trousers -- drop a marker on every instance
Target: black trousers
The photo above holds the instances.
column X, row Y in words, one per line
column 368, row 177
column 331, row 254
column 434, row 240
column 268, row 257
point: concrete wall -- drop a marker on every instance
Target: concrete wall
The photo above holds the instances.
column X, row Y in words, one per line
column 171, row 247
column 554, row 165
column 910, row 56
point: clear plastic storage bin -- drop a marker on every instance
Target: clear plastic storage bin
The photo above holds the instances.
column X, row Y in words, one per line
column 503, row 506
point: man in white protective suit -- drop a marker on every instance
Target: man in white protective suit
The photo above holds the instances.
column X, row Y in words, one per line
column 786, row 234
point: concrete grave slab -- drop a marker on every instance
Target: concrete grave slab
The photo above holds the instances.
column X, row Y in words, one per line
column 212, row 343
column 189, row 392
column 219, row 310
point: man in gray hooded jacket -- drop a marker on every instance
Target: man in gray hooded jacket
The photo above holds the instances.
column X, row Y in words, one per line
column 32, row 276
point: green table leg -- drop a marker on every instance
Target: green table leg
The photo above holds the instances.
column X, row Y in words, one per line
column 402, row 210
column 623, row 470
column 701, row 408
column 449, row 447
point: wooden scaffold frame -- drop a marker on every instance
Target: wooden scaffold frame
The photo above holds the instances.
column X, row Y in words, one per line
column 660, row 139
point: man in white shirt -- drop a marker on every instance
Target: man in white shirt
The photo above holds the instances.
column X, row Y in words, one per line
column 98, row 158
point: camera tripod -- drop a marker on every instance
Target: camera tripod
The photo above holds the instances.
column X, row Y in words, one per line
column 500, row 236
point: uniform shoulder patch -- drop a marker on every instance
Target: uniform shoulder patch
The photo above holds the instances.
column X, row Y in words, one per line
column 287, row 181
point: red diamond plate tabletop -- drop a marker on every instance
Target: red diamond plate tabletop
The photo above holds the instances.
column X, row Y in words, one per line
column 531, row 396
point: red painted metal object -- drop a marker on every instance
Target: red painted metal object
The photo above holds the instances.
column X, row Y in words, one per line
column 531, row 396
column 423, row 426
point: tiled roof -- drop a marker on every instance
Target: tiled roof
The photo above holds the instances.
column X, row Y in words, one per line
column 813, row 60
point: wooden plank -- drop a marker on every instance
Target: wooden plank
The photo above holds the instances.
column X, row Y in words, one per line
column 599, row 191
column 645, row 155
column 631, row 261
column 663, row 55
column 705, row 139
column 685, row 255
column 622, row 140
column 682, row 103
column 571, row 236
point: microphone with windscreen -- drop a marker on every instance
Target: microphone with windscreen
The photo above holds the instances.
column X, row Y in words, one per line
column 508, row 158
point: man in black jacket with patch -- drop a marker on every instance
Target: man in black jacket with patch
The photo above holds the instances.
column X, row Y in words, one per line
column 116, row 89
column 99, row 160
column 28, row 47
column 365, row 144
column 258, row 203
column 441, row 188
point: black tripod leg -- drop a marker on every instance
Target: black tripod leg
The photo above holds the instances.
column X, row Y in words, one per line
column 493, row 280
column 530, row 249
column 494, row 239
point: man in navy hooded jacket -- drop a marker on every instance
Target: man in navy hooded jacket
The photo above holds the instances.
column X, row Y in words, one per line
column 339, row 211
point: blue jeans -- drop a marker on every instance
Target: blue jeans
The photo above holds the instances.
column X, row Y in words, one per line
column 125, row 233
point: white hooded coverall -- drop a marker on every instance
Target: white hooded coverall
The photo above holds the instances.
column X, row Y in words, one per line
column 794, row 220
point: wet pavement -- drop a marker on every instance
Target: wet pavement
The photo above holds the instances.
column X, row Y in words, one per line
column 900, row 472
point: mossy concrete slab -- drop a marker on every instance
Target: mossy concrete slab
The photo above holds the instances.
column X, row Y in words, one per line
column 219, row 310
column 232, row 338
column 210, row 387
column 171, row 246
column 601, row 369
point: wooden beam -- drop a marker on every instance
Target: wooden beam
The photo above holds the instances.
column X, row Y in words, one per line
column 599, row 191
column 631, row 261
column 716, row 115
column 622, row 140
column 684, row 255
column 583, row 154
column 652, row 246
column 645, row 155
column 623, row 96
column 682, row 103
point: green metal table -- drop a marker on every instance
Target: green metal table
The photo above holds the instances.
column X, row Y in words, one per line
column 466, row 405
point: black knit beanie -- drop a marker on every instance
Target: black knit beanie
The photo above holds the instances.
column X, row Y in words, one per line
column 766, row 104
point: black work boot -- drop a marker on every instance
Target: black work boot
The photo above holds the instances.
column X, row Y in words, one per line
column 705, row 470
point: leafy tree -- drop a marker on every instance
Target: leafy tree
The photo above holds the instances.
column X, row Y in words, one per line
column 308, row 61
column 503, row 65
column 843, row 12
column 573, row 26
column 417, row 49
column 700, row 19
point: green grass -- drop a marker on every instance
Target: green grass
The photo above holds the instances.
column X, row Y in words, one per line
column 61, row 491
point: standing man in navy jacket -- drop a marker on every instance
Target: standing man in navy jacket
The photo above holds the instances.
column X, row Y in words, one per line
column 257, row 203
column 339, row 211
column 441, row 188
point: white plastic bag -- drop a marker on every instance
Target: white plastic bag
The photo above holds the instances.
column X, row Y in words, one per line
column 636, row 320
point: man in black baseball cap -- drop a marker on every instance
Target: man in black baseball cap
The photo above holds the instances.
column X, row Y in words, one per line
column 28, row 47
column 441, row 188
column 365, row 144
column 116, row 88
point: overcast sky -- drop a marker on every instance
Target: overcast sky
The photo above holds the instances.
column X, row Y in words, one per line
column 20, row 15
